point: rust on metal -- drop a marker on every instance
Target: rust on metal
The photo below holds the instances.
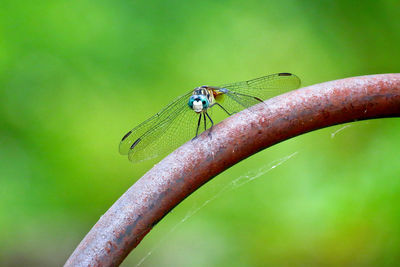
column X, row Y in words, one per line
column 134, row 214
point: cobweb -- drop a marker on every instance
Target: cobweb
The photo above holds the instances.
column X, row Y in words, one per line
column 236, row 183
column 333, row 135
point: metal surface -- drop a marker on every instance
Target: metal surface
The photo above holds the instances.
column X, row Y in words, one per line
column 125, row 224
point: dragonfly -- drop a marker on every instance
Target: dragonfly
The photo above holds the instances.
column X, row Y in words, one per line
column 189, row 115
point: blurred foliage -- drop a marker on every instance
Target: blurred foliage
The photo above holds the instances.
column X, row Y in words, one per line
column 75, row 76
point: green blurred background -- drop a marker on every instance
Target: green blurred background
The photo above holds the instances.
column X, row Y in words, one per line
column 75, row 76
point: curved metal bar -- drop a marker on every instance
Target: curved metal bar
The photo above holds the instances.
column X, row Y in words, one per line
column 169, row 182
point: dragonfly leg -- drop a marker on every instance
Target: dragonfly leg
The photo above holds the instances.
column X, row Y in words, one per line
column 218, row 104
column 198, row 126
column 212, row 122
column 205, row 122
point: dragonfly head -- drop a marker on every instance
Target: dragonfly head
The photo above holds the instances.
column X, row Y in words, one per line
column 198, row 103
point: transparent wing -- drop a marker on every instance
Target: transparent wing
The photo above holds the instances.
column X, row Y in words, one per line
column 177, row 123
column 242, row 95
column 163, row 132
column 167, row 135
column 133, row 135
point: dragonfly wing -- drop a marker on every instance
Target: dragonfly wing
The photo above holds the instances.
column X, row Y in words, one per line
column 133, row 136
column 166, row 136
column 177, row 123
column 240, row 95
column 233, row 102
column 266, row 86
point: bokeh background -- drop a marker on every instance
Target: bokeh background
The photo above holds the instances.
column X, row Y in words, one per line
column 75, row 76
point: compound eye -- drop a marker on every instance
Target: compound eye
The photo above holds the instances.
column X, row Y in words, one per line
column 191, row 102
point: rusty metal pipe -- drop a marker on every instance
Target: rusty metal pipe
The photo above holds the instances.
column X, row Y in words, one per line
column 169, row 182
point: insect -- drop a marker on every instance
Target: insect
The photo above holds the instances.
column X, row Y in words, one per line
column 188, row 115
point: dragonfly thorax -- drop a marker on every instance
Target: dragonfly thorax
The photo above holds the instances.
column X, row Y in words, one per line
column 201, row 99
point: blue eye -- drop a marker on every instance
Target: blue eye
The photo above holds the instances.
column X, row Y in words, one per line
column 190, row 103
column 202, row 98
